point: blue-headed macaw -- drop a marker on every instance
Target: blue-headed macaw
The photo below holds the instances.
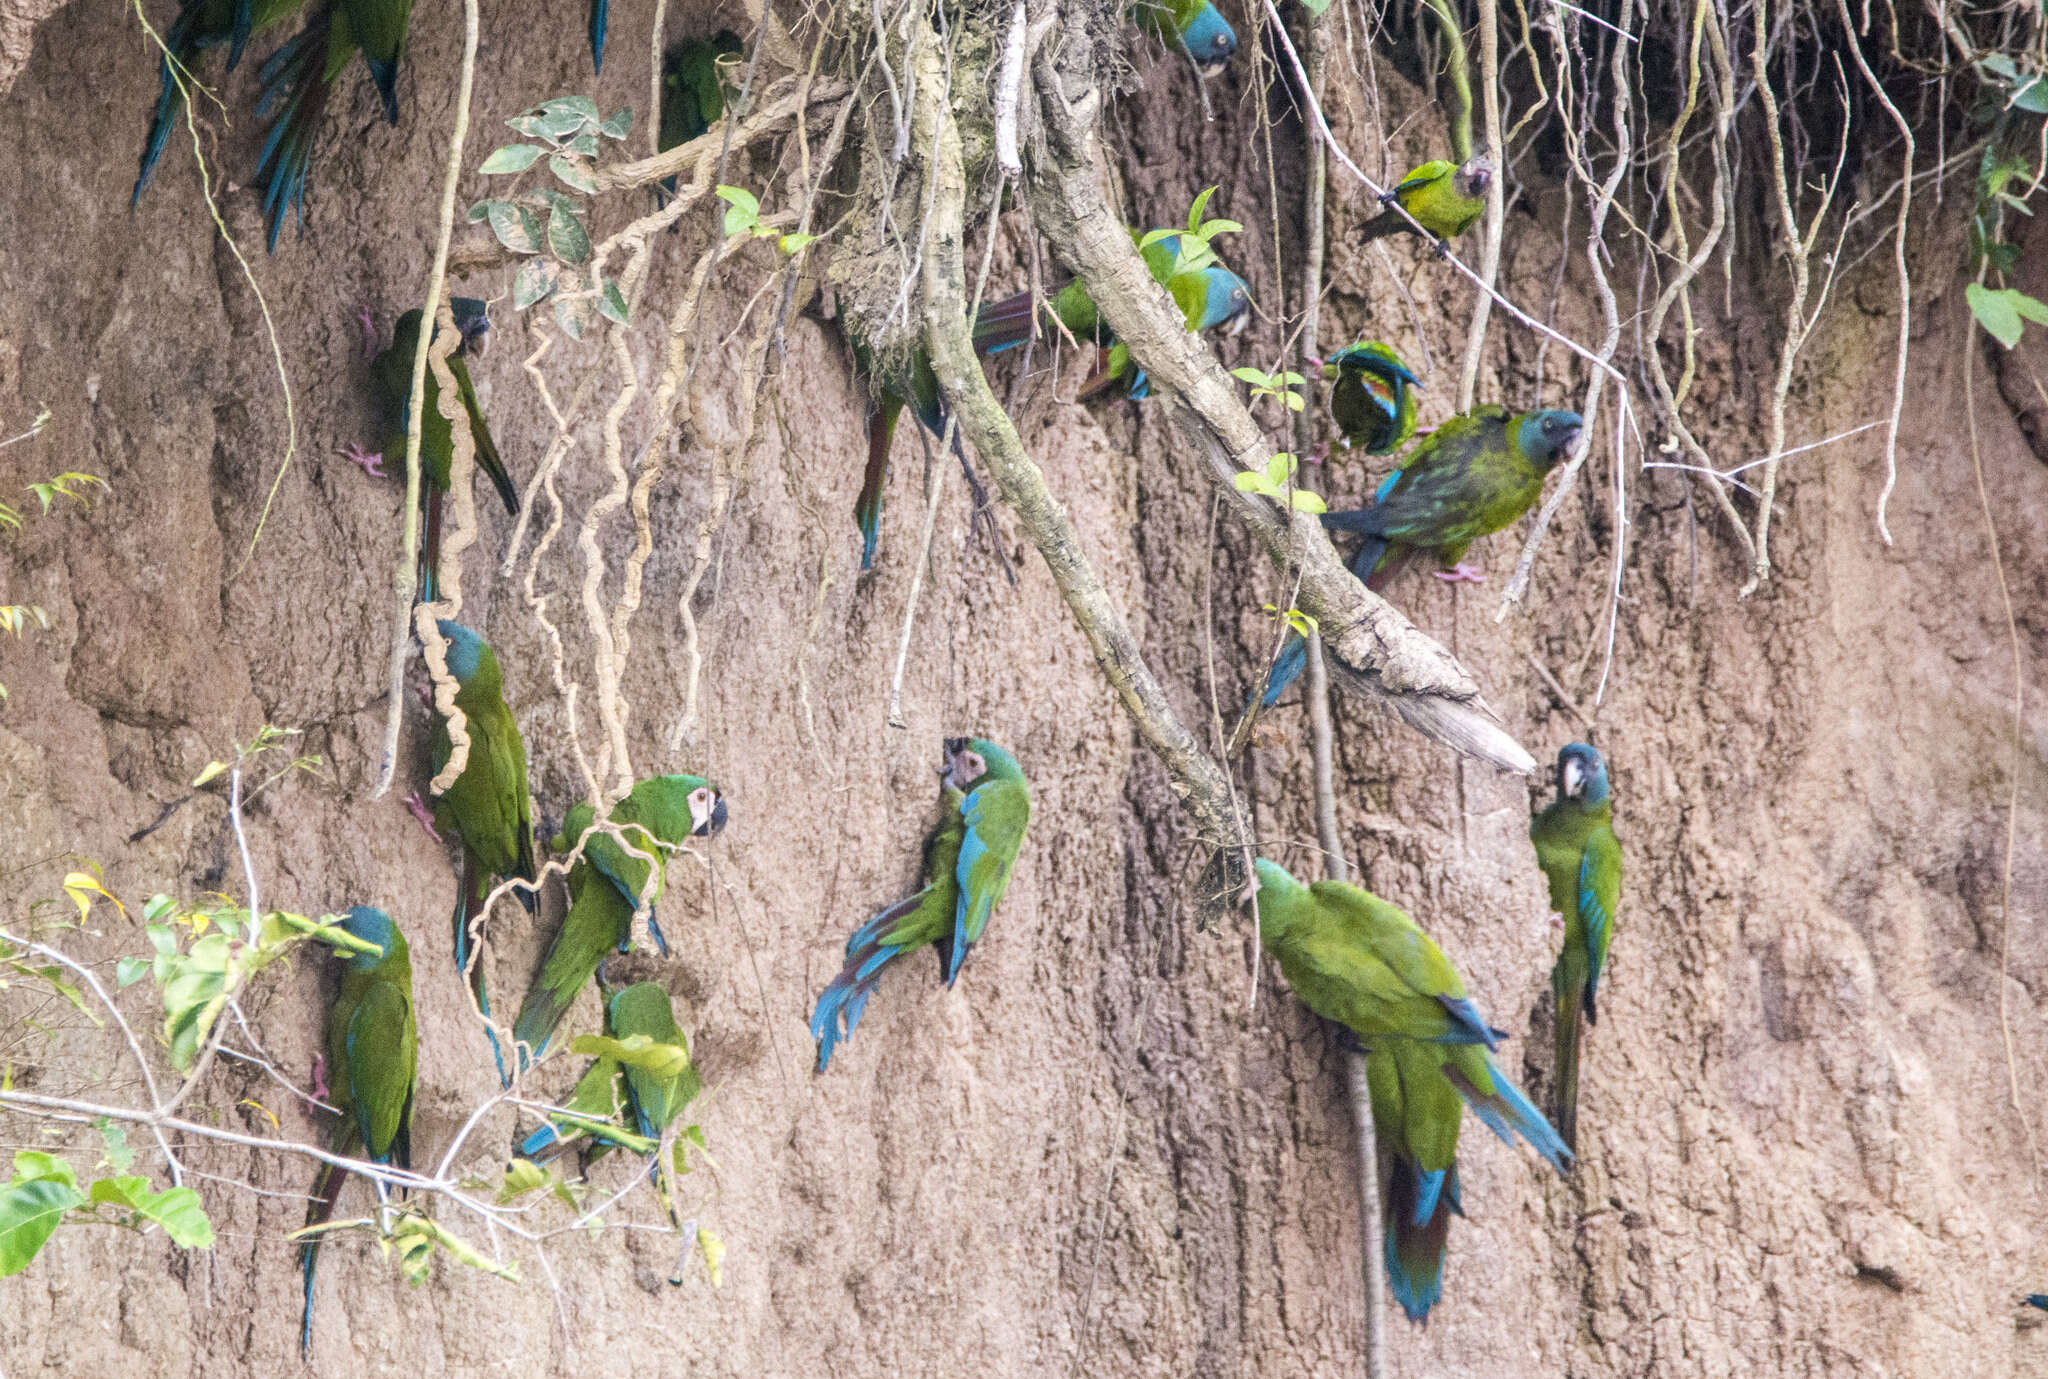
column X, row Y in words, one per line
column 1576, row 847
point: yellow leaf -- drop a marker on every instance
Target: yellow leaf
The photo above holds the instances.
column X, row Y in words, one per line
column 82, row 887
column 268, row 1114
column 713, row 1250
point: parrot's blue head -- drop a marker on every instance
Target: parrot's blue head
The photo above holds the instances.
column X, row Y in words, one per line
column 371, row 926
column 1581, row 774
column 465, row 651
column 1226, row 300
column 472, row 318
column 1209, row 40
column 1545, row 437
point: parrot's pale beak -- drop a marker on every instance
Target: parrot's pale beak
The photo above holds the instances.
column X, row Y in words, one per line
column 710, row 827
column 1239, row 322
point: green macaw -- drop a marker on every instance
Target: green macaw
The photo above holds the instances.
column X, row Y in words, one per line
column 605, row 888
column 1360, row 961
column 296, row 81
column 1445, row 197
column 1372, row 397
column 1208, row 294
column 1194, row 27
column 650, row 1098
column 1469, row 478
column 391, row 388
column 372, row 1058
column 692, row 98
column 1576, row 847
column 199, row 25
column 1417, row 1089
column 488, row 806
column 1353, row 958
column 984, row 808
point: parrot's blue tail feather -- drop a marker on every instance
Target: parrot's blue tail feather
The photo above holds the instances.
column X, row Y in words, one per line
column 846, row 995
column 1507, row 1113
column 1416, row 1234
column 1005, row 324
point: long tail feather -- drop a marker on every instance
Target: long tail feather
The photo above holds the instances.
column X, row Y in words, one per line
column 1418, row 1211
column 1565, row 1075
column 867, row 508
column 469, row 901
column 1507, row 1113
column 1387, row 222
column 599, row 12
column 1287, row 668
column 846, row 995
column 294, row 96
column 1005, row 324
column 326, row 1193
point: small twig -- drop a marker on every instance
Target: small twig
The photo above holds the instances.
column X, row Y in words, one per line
column 934, row 486
column 1009, row 81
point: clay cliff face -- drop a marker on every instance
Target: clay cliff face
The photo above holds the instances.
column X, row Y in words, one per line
column 1118, row 1147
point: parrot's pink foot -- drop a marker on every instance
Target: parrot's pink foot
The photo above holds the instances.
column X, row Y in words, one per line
column 369, row 325
column 1321, row 454
column 320, row 1092
column 425, row 815
column 371, row 461
column 1461, row 573
column 1557, row 921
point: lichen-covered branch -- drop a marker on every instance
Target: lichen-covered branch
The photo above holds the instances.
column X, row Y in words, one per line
column 1372, row 649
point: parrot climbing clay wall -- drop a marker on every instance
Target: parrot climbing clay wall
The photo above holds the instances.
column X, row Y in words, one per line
column 1118, row 1145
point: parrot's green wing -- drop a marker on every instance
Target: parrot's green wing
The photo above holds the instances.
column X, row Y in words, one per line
column 1435, row 170
column 381, row 1045
column 995, row 812
column 1393, row 939
column 1599, row 899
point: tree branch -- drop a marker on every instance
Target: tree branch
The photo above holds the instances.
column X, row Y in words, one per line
column 1372, row 649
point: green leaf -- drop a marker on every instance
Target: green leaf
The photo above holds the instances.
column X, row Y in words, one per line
column 1315, row 7
column 566, row 235
column 1153, row 237
column 532, row 283
column 521, row 1177
column 1279, row 467
column 29, row 1212
column 576, row 318
column 741, row 198
column 515, row 227
column 573, row 174
column 1219, row 227
column 2032, row 97
column 1304, row 501
column 584, row 145
column 2002, row 311
column 157, row 908
column 114, row 1139
column 1248, row 481
column 1256, row 377
column 184, row 1220
column 509, row 159
column 611, row 303
column 665, row 1061
column 34, row 1166
column 1195, row 212
column 791, row 244
column 619, row 125
column 479, row 213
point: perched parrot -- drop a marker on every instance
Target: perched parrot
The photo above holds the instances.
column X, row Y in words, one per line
column 985, row 806
column 1575, row 846
column 905, row 383
column 488, row 806
column 1445, row 197
column 1469, row 478
column 1416, row 1089
column 1371, row 396
column 1194, row 27
column 1208, row 294
column 296, row 81
column 391, row 386
column 372, row 1055
column 200, row 25
column 1355, row 959
column 604, row 891
column 651, row 1100
column 691, row 98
